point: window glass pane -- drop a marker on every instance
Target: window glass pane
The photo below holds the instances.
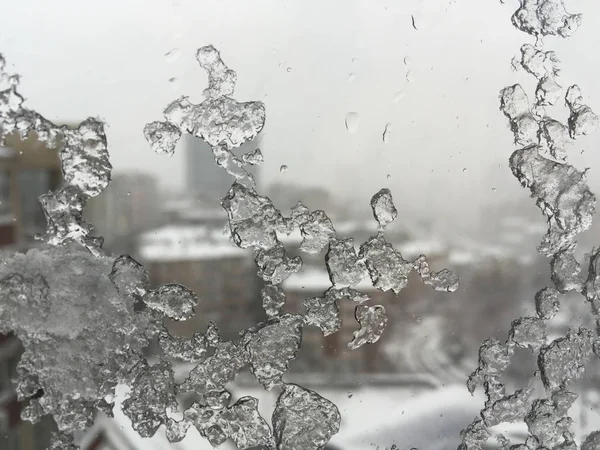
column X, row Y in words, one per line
column 367, row 104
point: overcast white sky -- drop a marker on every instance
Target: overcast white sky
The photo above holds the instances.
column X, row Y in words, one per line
column 107, row 59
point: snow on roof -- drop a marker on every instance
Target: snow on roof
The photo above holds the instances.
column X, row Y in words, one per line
column 318, row 280
column 460, row 257
column 415, row 248
column 202, row 213
column 187, row 242
column 182, row 203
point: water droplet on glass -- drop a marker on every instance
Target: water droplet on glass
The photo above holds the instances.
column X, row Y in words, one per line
column 351, row 77
column 352, row 122
column 398, row 96
column 350, row 394
column 409, row 76
column 389, row 176
column 129, row 194
column 387, row 132
column 172, row 55
column 493, row 189
column 289, row 69
column 407, row 61
column 414, row 24
column 283, row 169
column 418, row 320
column 465, row 169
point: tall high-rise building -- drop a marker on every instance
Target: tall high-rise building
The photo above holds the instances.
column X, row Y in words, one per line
column 206, row 180
column 129, row 205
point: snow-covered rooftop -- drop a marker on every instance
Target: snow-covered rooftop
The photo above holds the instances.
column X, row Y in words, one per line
column 187, row 242
column 318, row 280
column 417, row 247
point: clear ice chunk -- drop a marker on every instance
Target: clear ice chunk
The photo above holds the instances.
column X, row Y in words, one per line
column 303, row 420
column 372, row 321
column 383, row 207
column 162, row 137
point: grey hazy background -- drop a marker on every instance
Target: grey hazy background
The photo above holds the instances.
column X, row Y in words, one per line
column 449, row 144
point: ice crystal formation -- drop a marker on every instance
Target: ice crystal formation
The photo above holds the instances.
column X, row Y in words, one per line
column 561, row 192
column 84, row 330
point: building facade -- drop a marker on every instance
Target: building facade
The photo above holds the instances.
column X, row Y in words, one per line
column 28, row 169
column 129, row 205
column 204, row 260
column 203, row 177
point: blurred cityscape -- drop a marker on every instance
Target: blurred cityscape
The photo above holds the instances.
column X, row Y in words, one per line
column 180, row 237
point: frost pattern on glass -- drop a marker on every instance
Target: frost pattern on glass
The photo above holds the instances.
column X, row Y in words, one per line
column 84, row 331
column 561, row 192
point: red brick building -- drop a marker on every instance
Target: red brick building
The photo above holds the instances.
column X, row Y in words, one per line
column 203, row 259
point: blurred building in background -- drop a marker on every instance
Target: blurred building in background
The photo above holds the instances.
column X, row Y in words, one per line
column 203, row 259
column 14, row 433
column 128, row 206
column 330, row 354
column 192, row 210
column 28, row 169
column 285, row 196
column 203, row 178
